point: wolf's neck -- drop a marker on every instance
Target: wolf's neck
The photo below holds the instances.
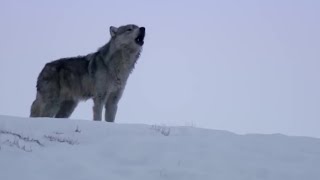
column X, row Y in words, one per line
column 122, row 60
column 105, row 51
column 124, row 55
column 117, row 61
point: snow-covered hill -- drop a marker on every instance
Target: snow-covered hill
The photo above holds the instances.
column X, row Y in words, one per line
column 51, row 149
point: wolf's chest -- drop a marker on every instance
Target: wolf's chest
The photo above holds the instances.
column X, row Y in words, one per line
column 115, row 81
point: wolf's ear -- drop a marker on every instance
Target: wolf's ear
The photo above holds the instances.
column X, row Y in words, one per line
column 113, row 31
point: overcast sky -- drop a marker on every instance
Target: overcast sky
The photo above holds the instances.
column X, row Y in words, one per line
column 244, row 66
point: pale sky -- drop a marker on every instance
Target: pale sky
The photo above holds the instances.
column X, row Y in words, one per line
column 244, row 66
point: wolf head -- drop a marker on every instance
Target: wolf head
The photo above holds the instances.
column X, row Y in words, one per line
column 130, row 36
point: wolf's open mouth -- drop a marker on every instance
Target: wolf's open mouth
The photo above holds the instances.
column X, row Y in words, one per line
column 140, row 37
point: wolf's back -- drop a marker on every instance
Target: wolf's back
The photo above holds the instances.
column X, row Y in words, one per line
column 61, row 70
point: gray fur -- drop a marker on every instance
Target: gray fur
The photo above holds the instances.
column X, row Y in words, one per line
column 101, row 75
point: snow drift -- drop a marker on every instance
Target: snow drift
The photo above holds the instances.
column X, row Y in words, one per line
column 44, row 148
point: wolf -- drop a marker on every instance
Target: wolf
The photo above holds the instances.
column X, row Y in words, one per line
column 101, row 76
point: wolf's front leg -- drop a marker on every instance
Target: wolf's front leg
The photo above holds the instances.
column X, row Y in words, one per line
column 111, row 110
column 112, row 105
column 98, row 103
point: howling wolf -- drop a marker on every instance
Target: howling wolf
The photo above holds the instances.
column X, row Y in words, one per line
column 101, row 75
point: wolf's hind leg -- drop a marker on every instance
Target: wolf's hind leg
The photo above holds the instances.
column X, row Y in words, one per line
column 36, row 108
column 66, row 108
column 50, row 108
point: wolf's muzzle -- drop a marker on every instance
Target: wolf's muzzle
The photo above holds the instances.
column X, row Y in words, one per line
column 140, row 37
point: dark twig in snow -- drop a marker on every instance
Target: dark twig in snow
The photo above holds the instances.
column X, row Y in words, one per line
column 164, row 130
column 15, row 143
column 60, row 139
column 77, row 130
column 59, row 133
column 27, row 139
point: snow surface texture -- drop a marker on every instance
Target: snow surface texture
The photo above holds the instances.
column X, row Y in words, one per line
column 34, row 149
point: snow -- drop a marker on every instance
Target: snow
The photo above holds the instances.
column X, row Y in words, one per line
column 43, row 148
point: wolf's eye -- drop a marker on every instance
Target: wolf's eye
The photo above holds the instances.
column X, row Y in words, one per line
column 129, row 30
